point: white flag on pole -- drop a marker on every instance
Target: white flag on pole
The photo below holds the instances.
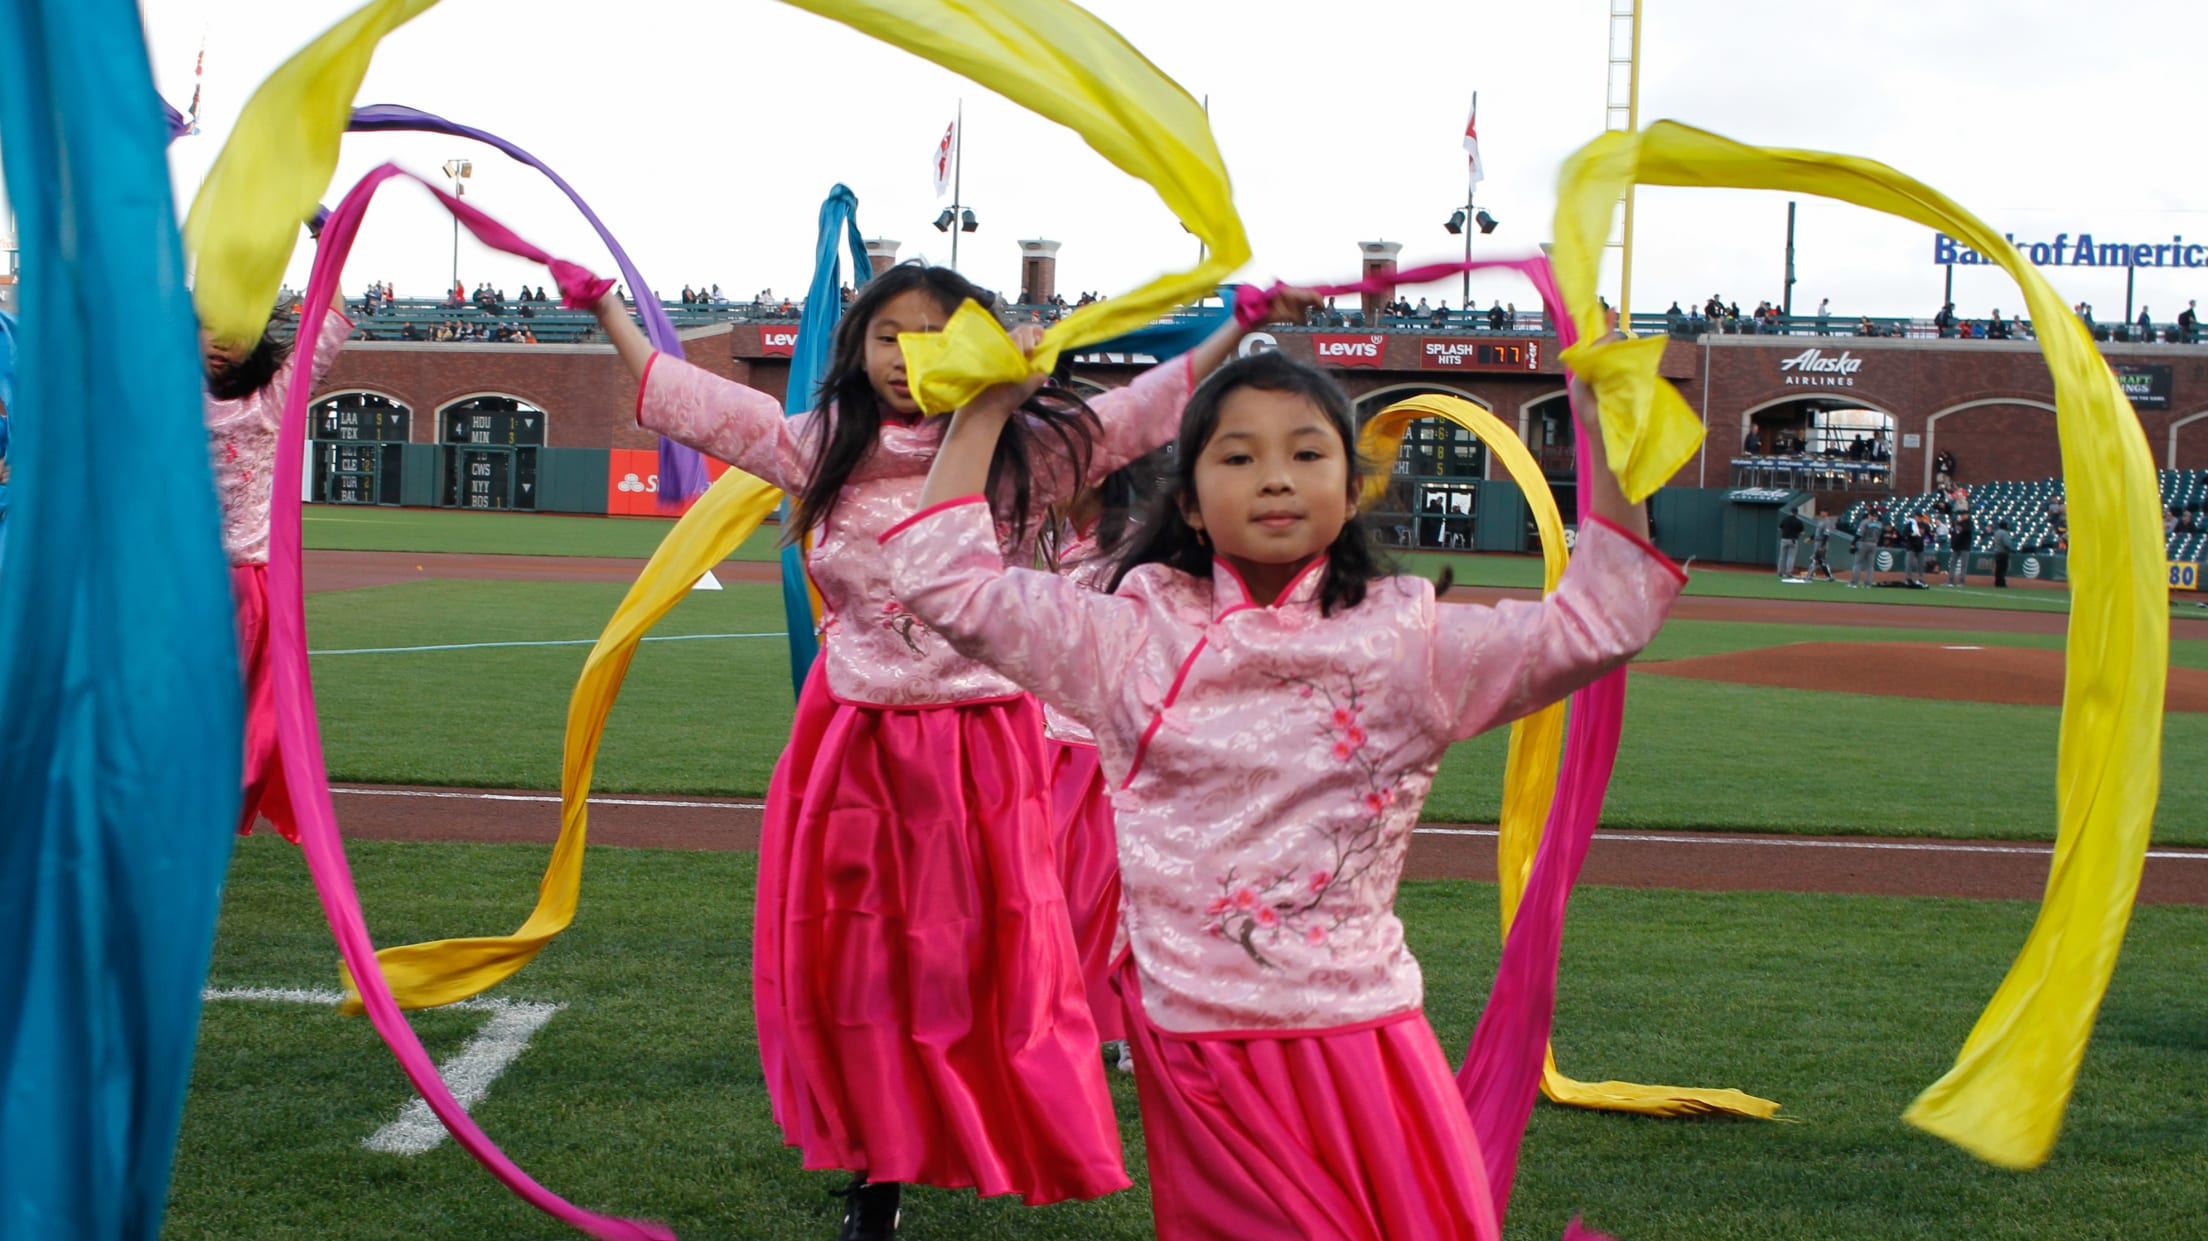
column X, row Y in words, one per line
column 1472, row 142
column 943, row 152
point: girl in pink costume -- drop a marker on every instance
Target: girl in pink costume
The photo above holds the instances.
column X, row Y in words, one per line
column 920, row 1006
column 245, row 404
column 1270, row 708
column 1088, row 533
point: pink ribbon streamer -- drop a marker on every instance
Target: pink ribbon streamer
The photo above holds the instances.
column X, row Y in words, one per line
column 300, row 740
column 1251, row 302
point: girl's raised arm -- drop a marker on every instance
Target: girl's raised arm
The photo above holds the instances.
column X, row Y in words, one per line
column 1061, row 641
column 1493, row 665
column 725, row 419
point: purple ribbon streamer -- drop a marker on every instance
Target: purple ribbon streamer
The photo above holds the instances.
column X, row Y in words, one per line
column 681, row 469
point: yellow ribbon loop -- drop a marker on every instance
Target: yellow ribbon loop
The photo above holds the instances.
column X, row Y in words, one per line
column 2003, row 1100
column 427, row 975
column 274, row 167
column 1059, row 61
column 1537, row 747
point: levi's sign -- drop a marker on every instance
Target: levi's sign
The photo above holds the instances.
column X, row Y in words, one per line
column 1339, row 350
column 778, row 342
column 1818, row 369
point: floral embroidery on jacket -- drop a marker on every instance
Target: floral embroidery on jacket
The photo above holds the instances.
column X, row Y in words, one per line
column 903, row 623
column 1282, row 904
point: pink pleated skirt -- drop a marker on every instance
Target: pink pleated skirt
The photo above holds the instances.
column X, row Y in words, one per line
column 1088, row 867
column 1352, row 1135
column 266, row 794
column 920, row 1005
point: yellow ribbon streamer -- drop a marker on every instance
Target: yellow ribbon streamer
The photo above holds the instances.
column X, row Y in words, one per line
column 1059, row 61
column 429, row 974
column 1537, row 749
column 2004, row 1099
column 274, row 167
column 1054, row 58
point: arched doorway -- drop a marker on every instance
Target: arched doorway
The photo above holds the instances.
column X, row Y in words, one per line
column 358, row 451
column 1816, row 443
column 1550, row 435
column 1432, row 503
column 487, row 452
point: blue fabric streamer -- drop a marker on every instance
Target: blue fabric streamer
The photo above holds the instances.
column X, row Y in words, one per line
column 7, row 408
column 816, row 337
column 121, row 723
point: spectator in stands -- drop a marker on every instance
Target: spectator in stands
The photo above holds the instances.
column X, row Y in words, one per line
column 1868, row 528
column 2186, row 322
column 1995, row 328
column 1714, row 309
column 2169, row 523
column 1675, row 319
column 1960, row 536
column 1790, row 543
column 540, row 293
column 1864, row 327
column 1753, row 445
column 2003, row 544
column 2146, row 326
column 1441, row 314
column 1944, row 321
column 2018, row 328
column 408, row 332
column 1943, row 467
column 1497, row 317
column 2187, row 523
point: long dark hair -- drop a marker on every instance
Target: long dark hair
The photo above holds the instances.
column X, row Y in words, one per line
column 852, row 416
column 1119, row 497
column 254, row 372
column 1164, row 535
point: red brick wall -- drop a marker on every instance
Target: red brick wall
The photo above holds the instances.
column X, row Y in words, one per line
column 590, row 399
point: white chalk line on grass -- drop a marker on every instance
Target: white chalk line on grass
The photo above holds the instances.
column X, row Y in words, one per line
column 468, row 1075
column 449, row 795
column 2185, row 855
column 484, row 646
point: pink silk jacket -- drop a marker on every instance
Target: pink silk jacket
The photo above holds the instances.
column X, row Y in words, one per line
column 241, row 437
column 875, row 652
column 1269, row 763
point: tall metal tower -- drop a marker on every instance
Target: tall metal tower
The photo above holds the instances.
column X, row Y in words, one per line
column 1622, row 111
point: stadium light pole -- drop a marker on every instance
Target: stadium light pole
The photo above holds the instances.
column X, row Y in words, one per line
column 458, row 170
column 958, row 217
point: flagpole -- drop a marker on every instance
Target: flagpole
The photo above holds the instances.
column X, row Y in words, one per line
column 958, row 175
column 1464, row 299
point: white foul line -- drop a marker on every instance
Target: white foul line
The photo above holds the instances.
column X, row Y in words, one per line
column 549, row 797
column 467, row 1075
column 481, row 646
column 2191, row 855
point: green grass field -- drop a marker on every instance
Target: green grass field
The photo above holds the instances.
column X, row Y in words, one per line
column 711, row 716
column 644, row 1096
column 329, row 527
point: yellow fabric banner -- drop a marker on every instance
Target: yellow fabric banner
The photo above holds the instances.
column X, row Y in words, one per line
column 430, row 974
column 1059, row 61
column 1537, row 749
column 2003, row 1100
column 274, row 167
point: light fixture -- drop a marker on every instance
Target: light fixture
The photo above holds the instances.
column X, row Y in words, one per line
column 1456, row 223
column 969, row 223
column 943, row 222
column 1485, row 221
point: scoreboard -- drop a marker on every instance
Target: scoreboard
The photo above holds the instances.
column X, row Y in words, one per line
column 1467, row 353
column 490, row 453
column 358, row 454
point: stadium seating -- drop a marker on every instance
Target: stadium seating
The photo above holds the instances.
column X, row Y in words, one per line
column 2024, row 506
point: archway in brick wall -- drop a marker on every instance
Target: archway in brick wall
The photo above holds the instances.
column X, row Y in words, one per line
column 1998, row 439
column 2188, row 448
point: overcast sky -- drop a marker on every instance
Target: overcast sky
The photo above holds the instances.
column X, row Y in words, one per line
column 706, row 132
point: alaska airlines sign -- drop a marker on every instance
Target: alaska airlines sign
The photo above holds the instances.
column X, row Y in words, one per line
column 1817, row 369
column 2086, row 251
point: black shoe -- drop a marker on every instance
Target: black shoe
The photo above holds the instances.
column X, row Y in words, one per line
column 870, row 1210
